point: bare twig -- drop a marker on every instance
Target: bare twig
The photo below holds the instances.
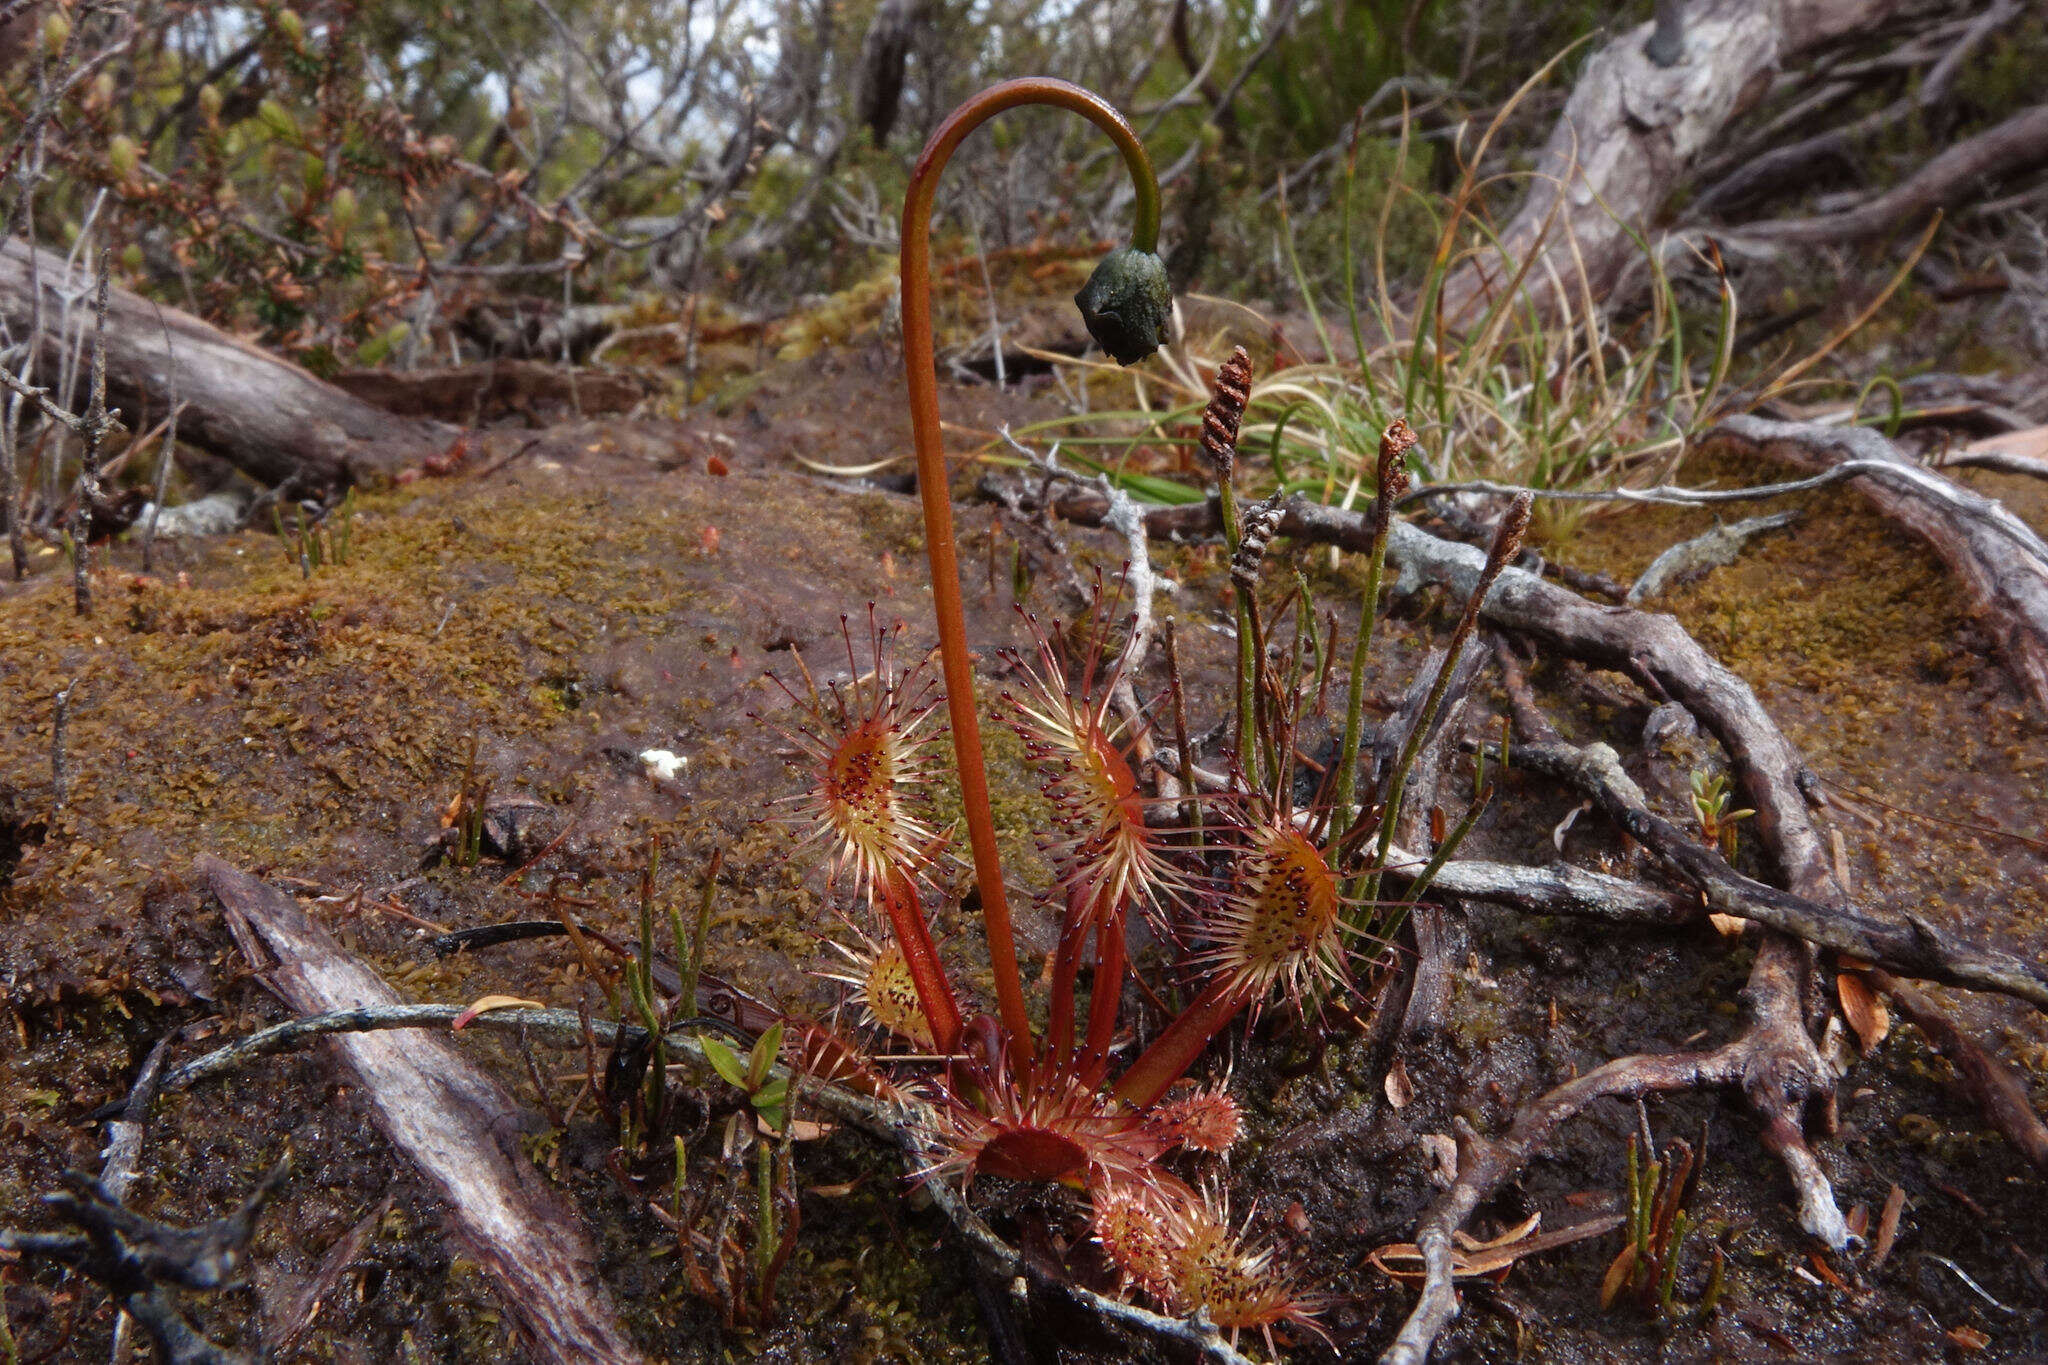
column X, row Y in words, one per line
column 60, row 719
column 1999, row 1093
column 2019, row 142
column 137, row 1259
column 1484, row 1164
column 163, row 458
column 1556, row 889
column 1999, row 561
column 1916, row 947
column 93, row 432
column 41, row 398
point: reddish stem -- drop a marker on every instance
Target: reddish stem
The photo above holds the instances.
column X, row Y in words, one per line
column 934, row 994
column 1066, row 966
column 922, row 376
column 1103, row 998
column 1175, row 1050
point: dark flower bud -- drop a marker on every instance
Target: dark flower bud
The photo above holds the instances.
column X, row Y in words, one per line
column 1126, row 304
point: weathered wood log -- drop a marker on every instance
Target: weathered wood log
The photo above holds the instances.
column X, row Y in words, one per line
column 2018, row 144
column 446, row 1117
column 263, row 414
column 1630, row 132
column 1786, row 169
column 2001, row 565
column 468, row 395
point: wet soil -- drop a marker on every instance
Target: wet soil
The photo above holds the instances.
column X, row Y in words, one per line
column 622, row 586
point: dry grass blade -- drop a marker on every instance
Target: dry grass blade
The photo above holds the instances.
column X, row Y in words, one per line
column 1403, row 1260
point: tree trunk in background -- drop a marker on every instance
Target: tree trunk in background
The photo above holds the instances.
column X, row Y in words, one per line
column 264, row 415
column 1632, row 130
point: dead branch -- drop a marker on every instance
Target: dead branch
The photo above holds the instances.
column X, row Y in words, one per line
column 1999, row 1093
column 2000, row 563
column 265, row 415
column 1917, row 947
column 138, row 1260
column 1997, row 461
column 1775, row 1063
column 1787, row 168
column 442, row 1112
column 94, row 429
column 1485, row 1164
column 1630, row 132
column 1556, row 889
column 2014, row 145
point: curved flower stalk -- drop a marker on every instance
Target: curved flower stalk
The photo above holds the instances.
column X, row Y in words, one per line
column 1124, row 304
column 1254, row 899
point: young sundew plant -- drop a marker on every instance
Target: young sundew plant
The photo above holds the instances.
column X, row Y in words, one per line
column 1251, row 898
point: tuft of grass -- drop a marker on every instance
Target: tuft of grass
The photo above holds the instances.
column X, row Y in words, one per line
column 1541, row 387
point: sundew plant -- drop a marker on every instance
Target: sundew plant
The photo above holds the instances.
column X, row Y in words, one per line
column 1249, row 898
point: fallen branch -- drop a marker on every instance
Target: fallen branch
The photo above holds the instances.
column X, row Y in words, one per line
column 2014, row 145
column 138, row 1260
column 443, row 1114
column 1997, row 461
column 268, row 417
column 1999, row 1093
column 1630, row 134
column 2001, row 564
column 1916, row 947
column 1791, row 167
column 1557, row 889
column 1485, row 1164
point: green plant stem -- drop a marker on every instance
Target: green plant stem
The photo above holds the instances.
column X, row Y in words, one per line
column 644, row 997
column 1670, row 1277
column 921, row 374
column 1247, row 663
column 764, row 1212
column 1361, row 647
column 1444, row 853
column 691, row 951
column 1397, row 781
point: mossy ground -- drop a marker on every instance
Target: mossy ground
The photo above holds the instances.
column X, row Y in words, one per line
column 607, row 593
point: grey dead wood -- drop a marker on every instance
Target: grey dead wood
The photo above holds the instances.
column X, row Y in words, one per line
column 1775, row 1062
column 265, row 415
column 2019, row 143
column 1998, row 1092
column 1789, row 168
column 446, row 1117
column 1631, row 133
column 1999, row 562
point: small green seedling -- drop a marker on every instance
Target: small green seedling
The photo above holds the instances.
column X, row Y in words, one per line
column 768, row 1094
column 1710, row 797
